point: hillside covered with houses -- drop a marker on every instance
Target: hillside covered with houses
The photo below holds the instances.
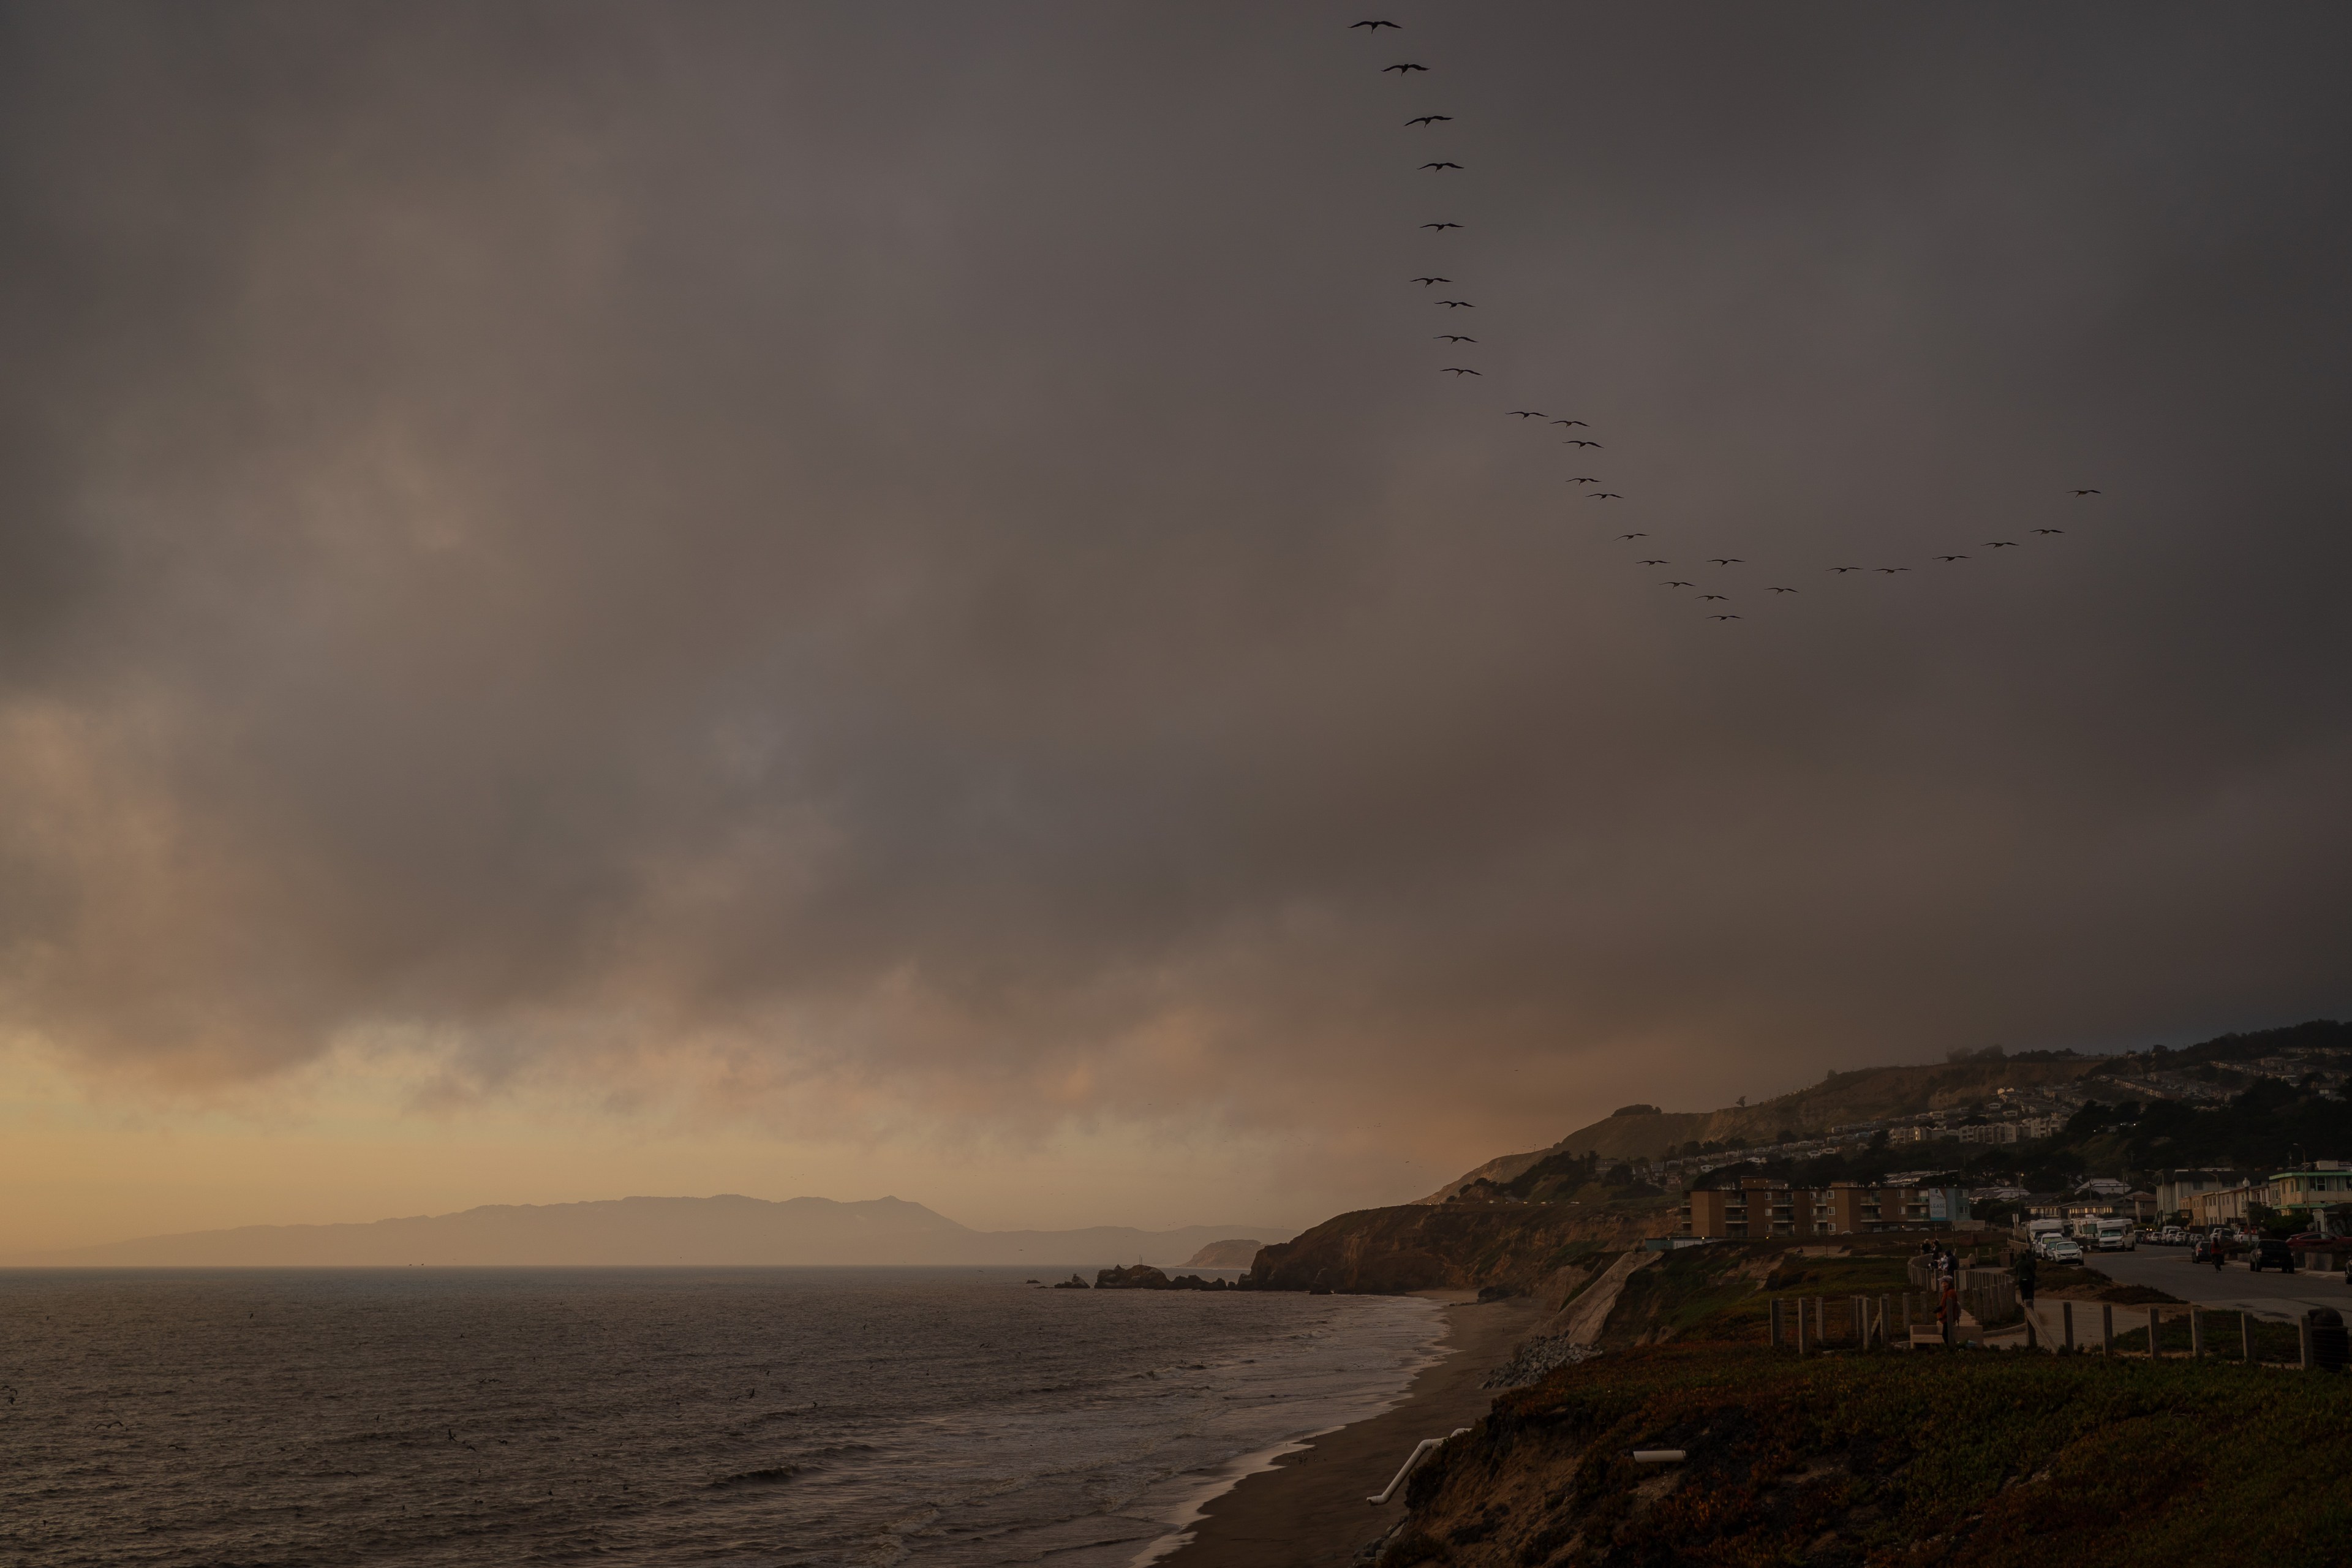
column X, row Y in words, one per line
column 2205, row 1133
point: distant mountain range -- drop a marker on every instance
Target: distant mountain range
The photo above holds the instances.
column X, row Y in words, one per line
column 657, row 1231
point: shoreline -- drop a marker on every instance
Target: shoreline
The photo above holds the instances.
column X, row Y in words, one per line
column 1305, row 1506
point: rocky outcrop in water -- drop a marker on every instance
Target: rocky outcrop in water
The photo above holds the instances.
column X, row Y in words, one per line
column 1136, row 1276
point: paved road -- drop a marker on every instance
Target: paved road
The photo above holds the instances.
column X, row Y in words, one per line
column 2236, row 1288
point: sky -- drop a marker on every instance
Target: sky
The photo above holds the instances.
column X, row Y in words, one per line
column 847, row 599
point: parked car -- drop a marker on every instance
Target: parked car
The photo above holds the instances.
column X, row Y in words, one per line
column 2206, row 1250
column 2058, row 1249
column 2269, row 1252
column 2173, row 1236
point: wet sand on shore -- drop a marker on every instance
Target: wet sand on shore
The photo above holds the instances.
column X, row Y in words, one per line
column 1309, row 1509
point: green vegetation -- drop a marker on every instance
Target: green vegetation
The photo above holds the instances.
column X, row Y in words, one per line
column 1723, row 1293
column 1980, row 1458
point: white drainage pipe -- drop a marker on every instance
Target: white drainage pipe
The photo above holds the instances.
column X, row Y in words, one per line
column 1421, row 1451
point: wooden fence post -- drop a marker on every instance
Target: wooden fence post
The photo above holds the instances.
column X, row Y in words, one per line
column 2195, row 1334
column 2155, row 1345
column 1775, row 1329
column 2246, row 1336
column 2303, row 1325
column 2066, row 1319
column 2106, row 1328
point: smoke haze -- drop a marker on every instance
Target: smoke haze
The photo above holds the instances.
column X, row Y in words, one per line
column 881, row 585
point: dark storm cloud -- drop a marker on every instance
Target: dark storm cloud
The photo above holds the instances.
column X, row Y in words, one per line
column 925, row 545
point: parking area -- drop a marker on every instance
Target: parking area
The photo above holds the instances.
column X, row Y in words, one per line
column 2233, row 1288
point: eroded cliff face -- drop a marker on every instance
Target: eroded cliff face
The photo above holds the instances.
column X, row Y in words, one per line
column 1519, row 1248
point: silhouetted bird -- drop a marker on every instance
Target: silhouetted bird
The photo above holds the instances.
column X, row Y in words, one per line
column 1375, row 26
column 1894, row 568
column 1723, row 618
column 1426, row 281
column 1567, row 421
column 1429, row 120
column 1456, row 370
column 1575, row 443
column 1845, row 568
column 1401, row 68
column 1622, row 537
column 1524, row 414
column 1658, row 562
column 1440, row 166
column 2049, row 530
column 2086, row 492
column 1458, row 304
column 1715, row 595
column 1584, row 480
column 1955, row 557
column 2000, row 544
column 1726, row 561
column 1441, row 226
column 1455, row 338
column 1779, row 590
column 1675, row 585
column 1606, row 495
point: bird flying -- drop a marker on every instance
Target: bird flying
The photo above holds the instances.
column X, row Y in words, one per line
column 2000, row 544
column 1429, row 120
column 1845, row 568
column 1894, row 568
column 1456, row 370
column 1779, row 590
column 1458, row 304
column 1675, row 585
column 1524, row 414
column 1658, row 562
column 1715, row 595
column 1426, row 281
column 2086, row 492
column 1606, row 495
column 1567, row 421
column 1584, row 480
column 1402, row 68
column 1440, row 166
column 1574, row 442
column 1623, row 537
column 1455, row 338
column 1726, row 561
column 1723, row 618
column 1441, row 226
column 1955, row 557
column 2049, row 530
column 1375, row 26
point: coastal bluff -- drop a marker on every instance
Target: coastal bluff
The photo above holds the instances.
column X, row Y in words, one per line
column 1516, row 1248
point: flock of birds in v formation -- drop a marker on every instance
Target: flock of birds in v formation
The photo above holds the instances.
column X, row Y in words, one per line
column 1583, row 442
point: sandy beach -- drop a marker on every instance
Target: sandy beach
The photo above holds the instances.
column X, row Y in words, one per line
column 1309, row 1509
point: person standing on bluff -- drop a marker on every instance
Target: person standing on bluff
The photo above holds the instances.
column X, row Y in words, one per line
column 2026, row 1271
column 1947, row 1301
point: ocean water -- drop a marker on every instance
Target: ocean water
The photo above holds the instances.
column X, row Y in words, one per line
column 748, row 1417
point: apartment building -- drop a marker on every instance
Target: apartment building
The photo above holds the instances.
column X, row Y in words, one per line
column 2314, row 1190
column 1761, row 1207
